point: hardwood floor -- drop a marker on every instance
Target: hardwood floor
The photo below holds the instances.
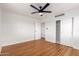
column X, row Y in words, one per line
column 39, row 48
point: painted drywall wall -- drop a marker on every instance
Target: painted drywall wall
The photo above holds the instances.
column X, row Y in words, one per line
column 66, row 31
column 49, row 29
column 76, row 32
column 0, row 30
column 69, row 33
column 18, row 28
column 66, row 28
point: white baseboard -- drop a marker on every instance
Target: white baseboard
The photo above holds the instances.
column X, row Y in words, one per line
column 3, row 45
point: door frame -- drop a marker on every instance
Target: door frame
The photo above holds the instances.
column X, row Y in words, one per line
column 58, row 33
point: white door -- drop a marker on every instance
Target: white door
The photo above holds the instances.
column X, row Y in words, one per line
column 37, row 31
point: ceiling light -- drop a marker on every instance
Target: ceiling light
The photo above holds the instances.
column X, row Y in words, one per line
column 41, row 14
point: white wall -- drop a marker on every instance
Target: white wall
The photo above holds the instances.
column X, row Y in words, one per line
column 76, row 33
column 17, row 28
column 66, row 28
column 0, row 30
column 66, row 31
column 50, row 33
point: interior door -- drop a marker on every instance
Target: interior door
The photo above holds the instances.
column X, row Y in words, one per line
column 58, row 31
column 42, row 30
column 37, row 31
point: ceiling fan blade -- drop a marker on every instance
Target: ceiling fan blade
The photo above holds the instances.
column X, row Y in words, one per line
column 47, row 11
column 34, row 7
column 34, row 12
column 45, row 6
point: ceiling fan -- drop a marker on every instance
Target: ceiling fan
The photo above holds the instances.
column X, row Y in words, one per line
column 41, row 9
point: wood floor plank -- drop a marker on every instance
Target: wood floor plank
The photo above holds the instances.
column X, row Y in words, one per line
column 39, row 48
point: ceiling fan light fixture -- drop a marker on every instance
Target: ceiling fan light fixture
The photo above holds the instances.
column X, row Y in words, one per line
column 40, row 14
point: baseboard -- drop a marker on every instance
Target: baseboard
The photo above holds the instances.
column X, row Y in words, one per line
column 50, row 41
column 19, row 42
column 60, row 44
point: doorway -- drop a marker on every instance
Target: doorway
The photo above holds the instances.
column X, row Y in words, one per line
column 43, row 31
column 58, row 31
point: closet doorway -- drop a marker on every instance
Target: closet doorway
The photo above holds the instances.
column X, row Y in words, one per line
column 58, row 31
column 43, row 31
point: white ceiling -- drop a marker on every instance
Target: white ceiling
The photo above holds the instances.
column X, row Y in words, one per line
column 24, row 8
